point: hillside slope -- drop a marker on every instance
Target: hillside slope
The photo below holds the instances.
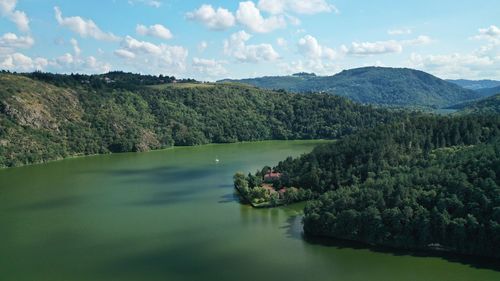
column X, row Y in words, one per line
column 84, row 115
column 425, row 183
column 375, row 85
column 486, row 92
column 475, row 84
column 490, row 105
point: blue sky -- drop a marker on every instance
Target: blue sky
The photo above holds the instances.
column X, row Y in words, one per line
column 210, row 40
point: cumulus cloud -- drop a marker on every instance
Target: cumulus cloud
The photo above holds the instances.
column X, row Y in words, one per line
column 373, row 48
column 122, row 53
column 249, row 16
column 209, row 67
column 10, row 41
column 309, row 47
column 19, row 18
column 383, row 47
column 491, row 34
column 456, row 65
column 84, row 27
column 308, row 7
column 21, row 62
column 399, row 31
column 317, row 66
column 76, row 47
column 219, row 19
column 156, row 30
column 152, row 57
column 73, row 63
column 236, row 47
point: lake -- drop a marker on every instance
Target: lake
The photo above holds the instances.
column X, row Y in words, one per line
column 173, row 215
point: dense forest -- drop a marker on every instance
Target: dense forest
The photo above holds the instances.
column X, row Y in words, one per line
column 398, row 87
column 46, row 116
column 420, row 183
column 490, row 105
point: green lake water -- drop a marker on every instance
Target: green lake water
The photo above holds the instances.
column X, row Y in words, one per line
column 173, row 215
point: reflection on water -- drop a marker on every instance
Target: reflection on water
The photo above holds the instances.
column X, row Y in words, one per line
column 174, row 215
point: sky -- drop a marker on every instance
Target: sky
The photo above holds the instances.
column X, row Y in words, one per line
column 211, row 40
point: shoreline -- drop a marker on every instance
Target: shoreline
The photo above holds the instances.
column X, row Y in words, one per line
column 77, row 156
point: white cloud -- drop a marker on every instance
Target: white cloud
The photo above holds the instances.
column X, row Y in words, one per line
column 209, row 67
column 311, row 6
column 124, row 54
column 456, row 65
column 202, row 46
column 273, row 6
column 219, row 19
column 374, row 48
column 84, row 27
column 72, row 63
column 383, row 47
column 308, row 7
column 10, row 41
column 399, row 31
column 313, row 65
column 249, row 16
column 136, row 46
column 147, row 56
column 236, row 47
column 282, row 42
column 156, row 30
column 309, row 47
column 20, row 62
column 19, row 18
column 420, row 40
column 152, row 3
column 491, row 34
column 76, row 47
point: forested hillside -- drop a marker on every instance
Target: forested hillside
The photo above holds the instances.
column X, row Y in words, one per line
column 399, row 87
column 45, row 116
column 489, row 91
column 490, row 105
column 425, row 182
column 475, row 84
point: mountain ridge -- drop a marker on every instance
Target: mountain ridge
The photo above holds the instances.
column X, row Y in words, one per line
column 399, row 87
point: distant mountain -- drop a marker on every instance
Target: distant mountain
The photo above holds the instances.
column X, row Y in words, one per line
column 487, row 105
column 486, row 92
column 374, row 85
column 475, row 84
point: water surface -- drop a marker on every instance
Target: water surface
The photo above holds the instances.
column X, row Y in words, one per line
column 172, row 215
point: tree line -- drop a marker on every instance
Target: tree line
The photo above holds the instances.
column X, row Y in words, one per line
column 420, row 183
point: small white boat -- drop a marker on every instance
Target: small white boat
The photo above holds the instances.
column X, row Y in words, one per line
column 217, row 160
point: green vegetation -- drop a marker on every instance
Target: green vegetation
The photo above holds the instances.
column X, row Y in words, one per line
column 262, row 191
column 490, row 105
column 475, row 85
column 489, row 91
column 421, row 183
column 46, row 116
column 375, row 85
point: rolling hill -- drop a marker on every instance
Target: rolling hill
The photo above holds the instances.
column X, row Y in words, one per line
column 45, row 117
column 486, row 92
column 490, row 105
column 400, row 87
column 475, row 84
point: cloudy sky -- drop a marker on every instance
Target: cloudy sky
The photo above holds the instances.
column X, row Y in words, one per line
column 209, row 40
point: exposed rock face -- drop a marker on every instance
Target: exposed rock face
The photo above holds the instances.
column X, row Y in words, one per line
column 43, row 107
